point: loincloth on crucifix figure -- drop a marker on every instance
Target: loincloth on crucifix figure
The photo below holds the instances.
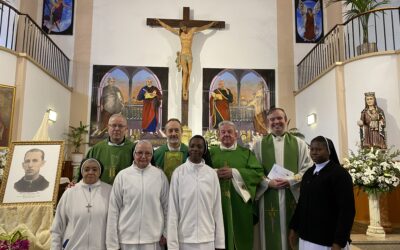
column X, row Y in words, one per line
column 178, row 61
column 185, row 57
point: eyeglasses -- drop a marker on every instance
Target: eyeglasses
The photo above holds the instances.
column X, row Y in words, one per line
column 114, row 126
column 147, row 154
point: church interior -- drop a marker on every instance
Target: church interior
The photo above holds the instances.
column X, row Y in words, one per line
column 264, row 55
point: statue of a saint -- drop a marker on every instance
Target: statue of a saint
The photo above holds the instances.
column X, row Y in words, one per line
column 185, row 57
column 372, row 124
column 151, row 97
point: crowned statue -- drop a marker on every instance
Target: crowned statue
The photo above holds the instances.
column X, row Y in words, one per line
column 372, row 124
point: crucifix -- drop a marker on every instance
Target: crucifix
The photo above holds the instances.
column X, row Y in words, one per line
column 88, row 207
column 185, row 28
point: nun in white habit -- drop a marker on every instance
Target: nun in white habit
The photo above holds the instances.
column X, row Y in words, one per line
column 81, row 216
column 195, row 219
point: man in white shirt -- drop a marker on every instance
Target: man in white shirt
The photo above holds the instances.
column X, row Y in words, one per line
column 138, row 206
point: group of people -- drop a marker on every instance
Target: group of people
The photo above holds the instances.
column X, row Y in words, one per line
column 195, row 197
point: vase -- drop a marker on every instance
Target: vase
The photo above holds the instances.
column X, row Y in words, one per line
column 374, row 229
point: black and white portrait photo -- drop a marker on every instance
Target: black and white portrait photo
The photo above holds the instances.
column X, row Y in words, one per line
column 33, row 173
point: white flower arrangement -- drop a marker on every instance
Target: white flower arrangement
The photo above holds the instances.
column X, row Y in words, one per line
column 212, row 138
column 374, row 170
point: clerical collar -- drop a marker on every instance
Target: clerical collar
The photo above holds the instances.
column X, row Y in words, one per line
column 31, row 181
column 279, row 137
column 320, row 166
column 174, row 149
column 231, row 148
column 116, row 144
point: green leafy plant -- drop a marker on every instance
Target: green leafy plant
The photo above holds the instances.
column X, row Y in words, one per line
column 76, row 136
column 362, row 9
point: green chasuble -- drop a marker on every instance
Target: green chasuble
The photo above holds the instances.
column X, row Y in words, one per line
column 169, row 160
column 273, row 239
column 238, row 216
column 113, row 157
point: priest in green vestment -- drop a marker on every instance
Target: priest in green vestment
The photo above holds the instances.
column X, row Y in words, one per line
column 279, row 195
column 115, row 152
column 239, row 174
column 174, row 152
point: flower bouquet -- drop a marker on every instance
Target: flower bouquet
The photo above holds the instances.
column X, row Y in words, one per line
column 212, row 138
column 13, row 241
column 374, row 170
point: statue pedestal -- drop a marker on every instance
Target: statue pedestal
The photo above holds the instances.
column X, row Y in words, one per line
column 374, row 229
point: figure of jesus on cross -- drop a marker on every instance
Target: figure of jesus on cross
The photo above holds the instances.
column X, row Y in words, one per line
column 186, row 29
column 185, row 57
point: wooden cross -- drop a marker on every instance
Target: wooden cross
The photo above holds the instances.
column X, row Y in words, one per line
column 176, row 23
column 186, row 20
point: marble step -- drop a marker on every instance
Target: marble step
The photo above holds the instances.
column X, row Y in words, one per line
column 365, row 242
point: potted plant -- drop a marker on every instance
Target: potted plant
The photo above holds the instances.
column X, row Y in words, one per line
column 76, row 139
column 362, row 9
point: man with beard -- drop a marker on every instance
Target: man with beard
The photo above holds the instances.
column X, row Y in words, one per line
column 219, row 104
column 115, row 152
column 279, row 195
column 174, row 152
column 151, row 97
column 185, row 57
column 239, row 174
column 111, row 102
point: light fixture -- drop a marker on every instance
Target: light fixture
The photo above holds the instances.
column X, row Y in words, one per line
column 52, row 115
column 311, row 119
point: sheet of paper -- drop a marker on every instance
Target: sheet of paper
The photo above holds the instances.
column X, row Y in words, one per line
column 279, row 172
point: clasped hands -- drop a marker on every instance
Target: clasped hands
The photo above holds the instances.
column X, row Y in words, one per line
column 278, row 183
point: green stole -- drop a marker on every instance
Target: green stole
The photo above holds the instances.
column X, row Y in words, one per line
column 172, row 159
column 272, row 224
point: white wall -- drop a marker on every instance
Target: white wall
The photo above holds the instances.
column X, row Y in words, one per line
column 375, row 74
column 14, row 3
column 8, row 62
column 379, row 74
column 43, row 92
column 121, row 37
column 319, row 98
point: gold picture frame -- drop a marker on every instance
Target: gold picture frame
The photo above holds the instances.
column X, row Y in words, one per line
column 32, row 173
column 7, row 99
